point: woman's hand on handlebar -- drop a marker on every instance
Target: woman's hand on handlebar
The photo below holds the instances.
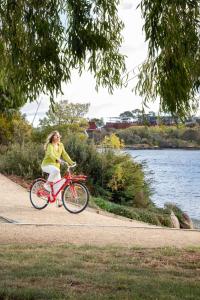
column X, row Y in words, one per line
column 73, row 165
column 62, row 162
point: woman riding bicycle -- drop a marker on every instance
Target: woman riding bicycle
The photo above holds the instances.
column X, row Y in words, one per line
column 54, row 150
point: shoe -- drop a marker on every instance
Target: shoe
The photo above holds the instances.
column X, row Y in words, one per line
column 59, row 203
column 47, row 187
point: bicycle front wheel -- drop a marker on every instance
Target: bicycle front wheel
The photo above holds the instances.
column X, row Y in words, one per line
column 75, row 197
column 38, row 195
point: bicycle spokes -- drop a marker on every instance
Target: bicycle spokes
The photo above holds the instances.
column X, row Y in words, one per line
column 75, row 197
column 38, row 195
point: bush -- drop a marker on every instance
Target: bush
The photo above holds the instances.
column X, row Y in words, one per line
column 191, row 135
column 160, row 217
column 126, row 182
column 23, row 161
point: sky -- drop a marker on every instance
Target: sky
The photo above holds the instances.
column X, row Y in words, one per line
column 82, row 89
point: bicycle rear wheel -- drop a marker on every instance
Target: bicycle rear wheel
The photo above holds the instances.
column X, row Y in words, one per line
column 38, row 195
column 75, row 197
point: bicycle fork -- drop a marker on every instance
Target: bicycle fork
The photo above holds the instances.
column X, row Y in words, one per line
column 73, row 191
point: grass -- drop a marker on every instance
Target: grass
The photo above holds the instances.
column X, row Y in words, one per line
column 72, row 272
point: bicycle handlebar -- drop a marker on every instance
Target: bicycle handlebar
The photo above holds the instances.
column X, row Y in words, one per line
column 72, row 166
column 68, row 166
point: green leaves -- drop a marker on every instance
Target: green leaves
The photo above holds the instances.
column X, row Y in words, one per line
column 172, row 71
column 41, row 42
column 66, row 113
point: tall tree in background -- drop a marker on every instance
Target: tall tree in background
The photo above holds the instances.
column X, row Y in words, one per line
column 172, row 69
column 13, row 129
column 41, row 42
column 65, row 113
column 126, row 116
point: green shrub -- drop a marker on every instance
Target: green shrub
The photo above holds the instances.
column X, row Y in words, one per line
column 22, row 161
column 191, row 135
column 160, row 217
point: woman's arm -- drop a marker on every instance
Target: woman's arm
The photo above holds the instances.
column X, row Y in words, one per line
column 66, row 156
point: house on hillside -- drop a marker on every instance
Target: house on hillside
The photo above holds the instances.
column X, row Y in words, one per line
column 118, row 125
column 92, row 126
column 92, row 129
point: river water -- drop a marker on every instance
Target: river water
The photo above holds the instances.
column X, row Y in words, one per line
column 175, row 177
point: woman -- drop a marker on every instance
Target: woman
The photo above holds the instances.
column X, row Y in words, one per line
column 54, row 149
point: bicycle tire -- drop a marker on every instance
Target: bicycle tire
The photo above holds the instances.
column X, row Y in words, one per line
column 38, row 202
column 72, row 204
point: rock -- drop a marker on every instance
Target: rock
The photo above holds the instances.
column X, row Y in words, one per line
column 186, row 222
column 174, row 220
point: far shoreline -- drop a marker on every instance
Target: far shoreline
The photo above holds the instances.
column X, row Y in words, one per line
column 129, row 147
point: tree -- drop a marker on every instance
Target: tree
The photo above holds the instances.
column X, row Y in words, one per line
column 152, row 113
column 126, row 116
column 14, row 129
column 172, row 69
column 10, row 102
column 113, row 142
column 98, row 122
column 137, row 113
column 64, row 113
column 41, row 42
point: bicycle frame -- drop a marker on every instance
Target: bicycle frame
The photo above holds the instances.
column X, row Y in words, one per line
column 69, row 179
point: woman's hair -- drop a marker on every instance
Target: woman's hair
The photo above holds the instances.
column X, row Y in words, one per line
column 50, row 138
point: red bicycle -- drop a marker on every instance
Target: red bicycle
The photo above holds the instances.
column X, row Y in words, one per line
column 75, row 195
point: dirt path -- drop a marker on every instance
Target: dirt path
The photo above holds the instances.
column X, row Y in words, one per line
column 56, row 225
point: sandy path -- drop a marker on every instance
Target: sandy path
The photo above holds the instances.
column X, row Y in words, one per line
column 56, row 225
